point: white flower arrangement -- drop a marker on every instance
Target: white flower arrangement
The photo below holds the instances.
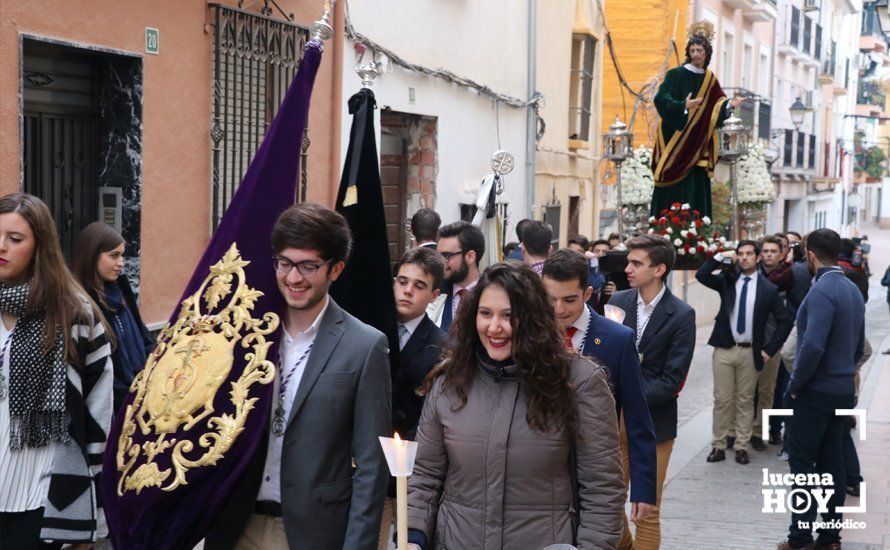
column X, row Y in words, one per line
column 754, row 185
column 637, row 181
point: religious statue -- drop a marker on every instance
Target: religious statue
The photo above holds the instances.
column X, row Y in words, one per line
column 691, row 105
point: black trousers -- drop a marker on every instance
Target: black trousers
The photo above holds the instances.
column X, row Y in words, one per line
column 775, row 422
column 851, row 461
column 815, row 446
column 21, row 531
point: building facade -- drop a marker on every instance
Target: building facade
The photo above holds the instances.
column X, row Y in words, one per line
column 815, row 65
column 643, row 59
column 569, row 68
column 871, row 134
column 146, row 114
column 437, row 136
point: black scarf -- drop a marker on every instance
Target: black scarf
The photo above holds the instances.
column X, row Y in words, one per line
column 36, row 380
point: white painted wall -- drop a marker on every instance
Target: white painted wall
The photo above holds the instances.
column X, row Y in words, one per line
column 485, row 41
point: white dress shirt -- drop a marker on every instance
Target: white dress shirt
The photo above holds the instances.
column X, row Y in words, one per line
column 292, row 349
column 644, row 312
column 24, row 474
column 748, row 336
column 410, row 327
column 581, row 324
column 455, row 297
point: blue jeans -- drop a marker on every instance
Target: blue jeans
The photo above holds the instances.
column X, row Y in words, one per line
column 815, row 446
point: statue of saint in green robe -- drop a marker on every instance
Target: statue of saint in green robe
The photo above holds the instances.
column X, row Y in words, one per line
column 686, row 148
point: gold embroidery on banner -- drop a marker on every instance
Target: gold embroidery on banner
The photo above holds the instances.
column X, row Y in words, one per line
column 176, row 389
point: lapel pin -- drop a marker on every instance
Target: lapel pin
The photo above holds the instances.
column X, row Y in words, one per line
column 597, row 341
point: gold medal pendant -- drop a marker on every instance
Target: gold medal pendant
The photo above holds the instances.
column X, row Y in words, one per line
column 173, row 406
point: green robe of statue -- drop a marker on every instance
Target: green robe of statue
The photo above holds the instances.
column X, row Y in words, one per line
column 687, row 140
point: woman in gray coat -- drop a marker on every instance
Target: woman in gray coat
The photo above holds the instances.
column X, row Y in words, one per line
column 518, row 441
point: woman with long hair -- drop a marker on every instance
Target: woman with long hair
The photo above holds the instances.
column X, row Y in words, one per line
column 518, row 441
column 98, row 262
column 55, row 387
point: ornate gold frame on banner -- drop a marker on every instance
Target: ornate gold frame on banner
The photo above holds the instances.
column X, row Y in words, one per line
column 185, row 373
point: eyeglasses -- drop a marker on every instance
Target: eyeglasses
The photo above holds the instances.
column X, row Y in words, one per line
column 307, row 269
column 449, row 255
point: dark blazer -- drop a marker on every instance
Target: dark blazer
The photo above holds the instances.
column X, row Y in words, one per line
column 767, row 302
column 614, row 347
column 665, row 354
column 342, row 405
column 419, row 355
column 802, row 283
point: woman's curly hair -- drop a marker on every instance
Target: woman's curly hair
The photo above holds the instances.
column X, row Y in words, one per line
column 538, row 349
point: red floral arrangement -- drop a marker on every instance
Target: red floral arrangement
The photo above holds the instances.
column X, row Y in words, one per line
column 691, row 233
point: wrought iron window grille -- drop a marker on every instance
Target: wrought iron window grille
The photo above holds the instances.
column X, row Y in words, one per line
column 255, row 59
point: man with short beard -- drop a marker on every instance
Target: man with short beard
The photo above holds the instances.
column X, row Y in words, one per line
column 831, row 335
column 462, row 245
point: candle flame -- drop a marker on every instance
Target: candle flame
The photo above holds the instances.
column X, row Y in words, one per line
column 398, row 442
column 614, row 313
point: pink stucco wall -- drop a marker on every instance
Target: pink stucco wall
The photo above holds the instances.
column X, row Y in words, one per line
column 176, row 118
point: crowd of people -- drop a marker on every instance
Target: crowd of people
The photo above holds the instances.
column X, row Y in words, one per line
column 536, row 416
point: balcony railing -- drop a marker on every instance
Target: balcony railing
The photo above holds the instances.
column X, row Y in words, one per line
column 801, row 36
column 799, row 150
column 870, row 93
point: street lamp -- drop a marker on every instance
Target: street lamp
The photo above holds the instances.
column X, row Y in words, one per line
column 733, row 145
column 881, row 8
column 618, row 147
column 798, row 111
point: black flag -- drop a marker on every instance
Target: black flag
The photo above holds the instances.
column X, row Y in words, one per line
column 364, row 289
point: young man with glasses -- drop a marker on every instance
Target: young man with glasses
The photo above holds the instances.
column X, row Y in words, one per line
column 322, row 479
column 462, row 245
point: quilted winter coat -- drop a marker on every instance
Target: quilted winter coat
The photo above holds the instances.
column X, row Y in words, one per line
column 485, row 479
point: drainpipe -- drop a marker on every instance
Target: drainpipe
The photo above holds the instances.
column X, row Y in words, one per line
column 531, row 122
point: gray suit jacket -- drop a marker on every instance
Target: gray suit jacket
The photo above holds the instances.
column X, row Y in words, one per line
column 342, row 405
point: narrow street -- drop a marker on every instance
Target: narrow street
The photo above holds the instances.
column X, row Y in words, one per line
column 710, row 506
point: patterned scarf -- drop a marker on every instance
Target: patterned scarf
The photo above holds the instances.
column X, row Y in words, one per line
column 36, row 381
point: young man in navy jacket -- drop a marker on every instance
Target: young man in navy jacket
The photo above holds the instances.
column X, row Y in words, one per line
column 830, row 339
column 664, row 328
column 610, row 344
column 419, row 274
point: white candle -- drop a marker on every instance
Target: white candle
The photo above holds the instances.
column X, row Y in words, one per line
column 402, row 512
column 400, row 456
